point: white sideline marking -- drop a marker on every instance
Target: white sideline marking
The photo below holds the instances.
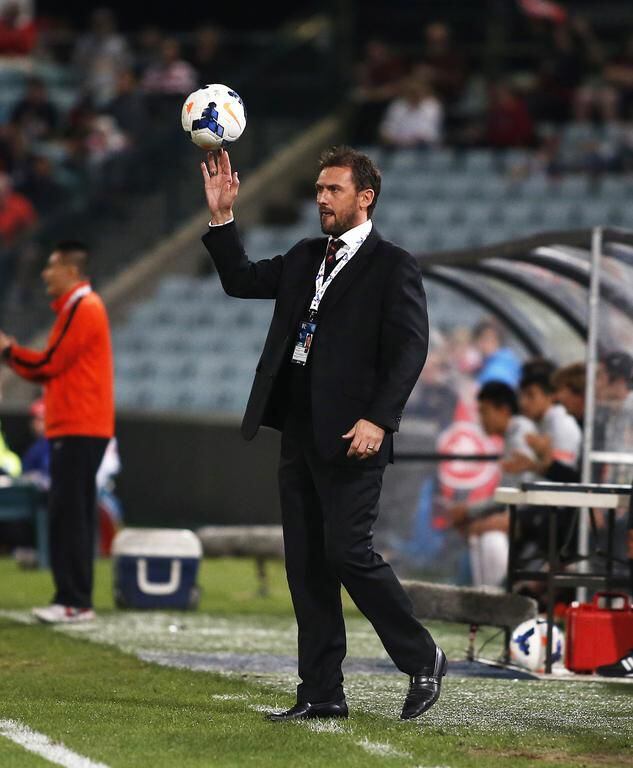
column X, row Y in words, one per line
column 41, row 745
column 323, row 726
column 381, row 750
column 229, row 696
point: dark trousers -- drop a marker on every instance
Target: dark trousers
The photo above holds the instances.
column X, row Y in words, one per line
column 72, row 513
column 328, row 510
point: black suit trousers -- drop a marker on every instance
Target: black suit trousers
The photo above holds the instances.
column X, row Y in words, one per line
column 328, row 511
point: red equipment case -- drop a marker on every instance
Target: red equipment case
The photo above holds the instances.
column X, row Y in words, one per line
column 596, row 633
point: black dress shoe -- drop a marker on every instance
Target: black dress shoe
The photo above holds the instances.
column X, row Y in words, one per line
column 306, row 711
column 424, row 688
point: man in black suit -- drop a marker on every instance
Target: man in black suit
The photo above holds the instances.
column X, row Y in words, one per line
column 345, row 347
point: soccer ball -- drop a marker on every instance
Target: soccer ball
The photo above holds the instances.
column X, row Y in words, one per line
column 528, row 644
column 214, row 116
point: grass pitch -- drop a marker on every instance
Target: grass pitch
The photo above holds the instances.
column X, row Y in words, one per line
column 89, row 688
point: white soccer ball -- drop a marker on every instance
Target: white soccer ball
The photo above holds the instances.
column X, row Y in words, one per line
column 214, row 116
column 528, row 644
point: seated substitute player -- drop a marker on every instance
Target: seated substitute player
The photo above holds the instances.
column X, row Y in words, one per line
column 559, row 432
column 568, row 384
column 485, row 524
column 537, row 401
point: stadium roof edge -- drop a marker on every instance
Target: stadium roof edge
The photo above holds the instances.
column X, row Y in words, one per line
column 516, row 249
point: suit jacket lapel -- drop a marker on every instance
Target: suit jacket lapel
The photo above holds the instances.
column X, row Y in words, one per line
column 350, row 272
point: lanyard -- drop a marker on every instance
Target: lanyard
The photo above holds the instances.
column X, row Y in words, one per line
column 321, row 287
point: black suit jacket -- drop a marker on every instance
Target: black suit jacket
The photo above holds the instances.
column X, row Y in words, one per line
column 370, row 343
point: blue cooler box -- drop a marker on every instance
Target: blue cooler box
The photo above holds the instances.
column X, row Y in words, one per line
column 156, row 568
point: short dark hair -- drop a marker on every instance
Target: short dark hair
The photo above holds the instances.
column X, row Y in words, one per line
column 538, row 372
column 572, row 376
column 73, row 252
column 364, row 172
column 500, row 394
column 618, row 365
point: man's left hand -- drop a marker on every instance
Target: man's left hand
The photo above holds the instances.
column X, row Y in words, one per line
column 366, row 439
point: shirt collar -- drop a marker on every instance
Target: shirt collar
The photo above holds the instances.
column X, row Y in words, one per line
column 353, row 238
column 61, row 301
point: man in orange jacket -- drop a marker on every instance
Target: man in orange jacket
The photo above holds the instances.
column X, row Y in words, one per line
column 76, row 369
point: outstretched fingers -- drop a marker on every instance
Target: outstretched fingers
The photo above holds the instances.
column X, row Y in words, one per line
column 225, row 163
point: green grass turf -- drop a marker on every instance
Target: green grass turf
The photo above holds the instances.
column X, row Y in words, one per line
column 110, row 706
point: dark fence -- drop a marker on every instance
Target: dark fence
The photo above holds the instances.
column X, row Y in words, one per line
column 185, row 473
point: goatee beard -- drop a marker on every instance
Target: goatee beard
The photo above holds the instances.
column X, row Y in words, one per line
column 336, row 229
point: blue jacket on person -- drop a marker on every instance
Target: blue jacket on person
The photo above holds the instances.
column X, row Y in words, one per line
column 503, row 365
column 37, row 457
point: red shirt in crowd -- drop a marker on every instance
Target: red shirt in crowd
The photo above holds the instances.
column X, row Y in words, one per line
column 16, row 215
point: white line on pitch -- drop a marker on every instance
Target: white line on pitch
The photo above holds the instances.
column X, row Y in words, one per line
column 41, row 745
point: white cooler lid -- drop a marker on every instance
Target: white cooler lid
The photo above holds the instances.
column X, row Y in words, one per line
column 157, row 542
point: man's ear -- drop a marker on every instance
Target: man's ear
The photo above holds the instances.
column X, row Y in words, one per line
column 366, row 198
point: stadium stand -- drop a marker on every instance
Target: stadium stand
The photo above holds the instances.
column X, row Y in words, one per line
column 431, row 201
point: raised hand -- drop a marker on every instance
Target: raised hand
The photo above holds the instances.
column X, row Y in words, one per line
column 220, row 185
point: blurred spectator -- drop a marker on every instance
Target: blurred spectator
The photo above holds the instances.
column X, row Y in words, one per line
column 14, row 150
column 41, row 187
column 498, row 363
column 100, row 55
column 37, row 458
column 205, row 56
column 35, row 115
column 415, row 118
column 508, row 122
column 463, row 353
column 18, row 31
column 619, row 75
column 6, row 148
column 10, row 463
column 379, row 78
column 609, row 95
column 98, row 135
column 569, row 389
column 128, row 107
column 614, row 379
column 433, row 398
column 172, row 75
column 441, row 63
column 17, row 214
column 571, row 54
column 147, row 48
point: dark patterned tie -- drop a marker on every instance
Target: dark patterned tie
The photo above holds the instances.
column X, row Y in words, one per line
column 330, row 255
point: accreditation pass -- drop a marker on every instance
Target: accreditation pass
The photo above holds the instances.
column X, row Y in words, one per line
column 304, row 342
